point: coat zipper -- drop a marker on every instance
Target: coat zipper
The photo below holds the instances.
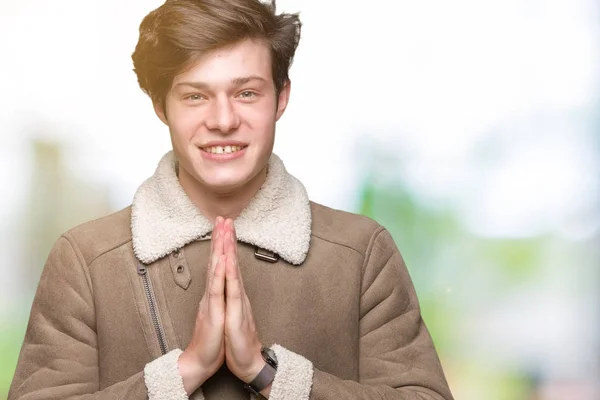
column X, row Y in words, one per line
column 160, row 333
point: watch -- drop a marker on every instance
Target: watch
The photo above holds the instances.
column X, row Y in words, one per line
column 266, row 375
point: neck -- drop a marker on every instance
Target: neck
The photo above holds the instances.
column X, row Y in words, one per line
column 226, row 204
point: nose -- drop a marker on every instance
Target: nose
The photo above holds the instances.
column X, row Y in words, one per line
column 222, row 116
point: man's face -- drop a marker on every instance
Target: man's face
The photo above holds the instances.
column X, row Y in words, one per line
column 221, row 114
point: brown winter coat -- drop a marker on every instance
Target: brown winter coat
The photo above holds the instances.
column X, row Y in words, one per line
column 118, row 297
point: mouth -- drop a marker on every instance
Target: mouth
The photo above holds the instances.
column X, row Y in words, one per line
column 223, row 149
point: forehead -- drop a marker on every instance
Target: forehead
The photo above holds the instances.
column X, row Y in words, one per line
column 245, row 58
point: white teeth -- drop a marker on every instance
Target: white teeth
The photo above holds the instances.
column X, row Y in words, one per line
column 222, row 150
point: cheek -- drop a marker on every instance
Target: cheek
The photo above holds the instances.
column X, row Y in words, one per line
column 261, row 120
column 183, row 122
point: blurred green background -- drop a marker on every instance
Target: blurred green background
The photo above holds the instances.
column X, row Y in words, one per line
column 471, row 130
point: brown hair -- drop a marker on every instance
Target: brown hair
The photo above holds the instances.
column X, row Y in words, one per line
column 177, row 33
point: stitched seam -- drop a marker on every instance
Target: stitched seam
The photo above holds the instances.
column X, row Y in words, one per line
column 109, row 250
column 374, row 237
column 82, row 264
column 362, row 276
column 337, row 243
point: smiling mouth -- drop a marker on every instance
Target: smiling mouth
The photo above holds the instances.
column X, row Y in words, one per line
column 223, row 149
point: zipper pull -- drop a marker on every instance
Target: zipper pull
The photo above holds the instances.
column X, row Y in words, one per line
column 141, row 269
column 206, row 236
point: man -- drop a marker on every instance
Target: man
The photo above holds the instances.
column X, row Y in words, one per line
column 221, row 252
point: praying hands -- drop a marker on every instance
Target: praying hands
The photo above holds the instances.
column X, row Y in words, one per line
column 225, row 330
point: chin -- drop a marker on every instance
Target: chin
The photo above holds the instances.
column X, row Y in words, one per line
column 223, row 185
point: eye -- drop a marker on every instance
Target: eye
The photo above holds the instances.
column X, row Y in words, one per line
column 194, row 97
column 246, row 94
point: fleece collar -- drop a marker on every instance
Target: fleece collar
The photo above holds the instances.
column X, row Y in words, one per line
column 163, row 217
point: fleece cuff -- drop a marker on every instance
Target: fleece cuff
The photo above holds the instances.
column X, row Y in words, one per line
column 163, row 380
column 294, row 376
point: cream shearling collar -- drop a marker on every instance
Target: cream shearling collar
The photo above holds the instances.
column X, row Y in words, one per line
column 163, row 218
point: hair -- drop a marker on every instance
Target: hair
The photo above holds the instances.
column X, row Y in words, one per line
column 179, row 32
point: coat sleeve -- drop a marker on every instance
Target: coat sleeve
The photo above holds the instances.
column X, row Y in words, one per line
column 59, row 356
column 398, row 360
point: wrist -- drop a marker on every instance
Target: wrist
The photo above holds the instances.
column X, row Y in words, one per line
column 191, row 372
column 261, row 383
column 257, row 366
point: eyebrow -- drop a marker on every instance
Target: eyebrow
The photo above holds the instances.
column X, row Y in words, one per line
column 245, row 79
column 235, row 81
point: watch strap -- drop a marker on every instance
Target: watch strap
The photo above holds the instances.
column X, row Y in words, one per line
column 263, row 379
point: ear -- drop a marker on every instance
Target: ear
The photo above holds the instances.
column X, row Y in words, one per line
column 160, row 112
column 284, row 98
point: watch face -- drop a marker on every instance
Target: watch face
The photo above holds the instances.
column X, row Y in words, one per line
column 269, row 356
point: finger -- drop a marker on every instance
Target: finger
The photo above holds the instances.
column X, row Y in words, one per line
column 215, row 233
column 216, row 294
column 220, row 239
column 218, row 224
column 231, row 250
column 247, row 309
column 228, row 247
column 234, row 238
column 233, row 294
column 216, row 250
